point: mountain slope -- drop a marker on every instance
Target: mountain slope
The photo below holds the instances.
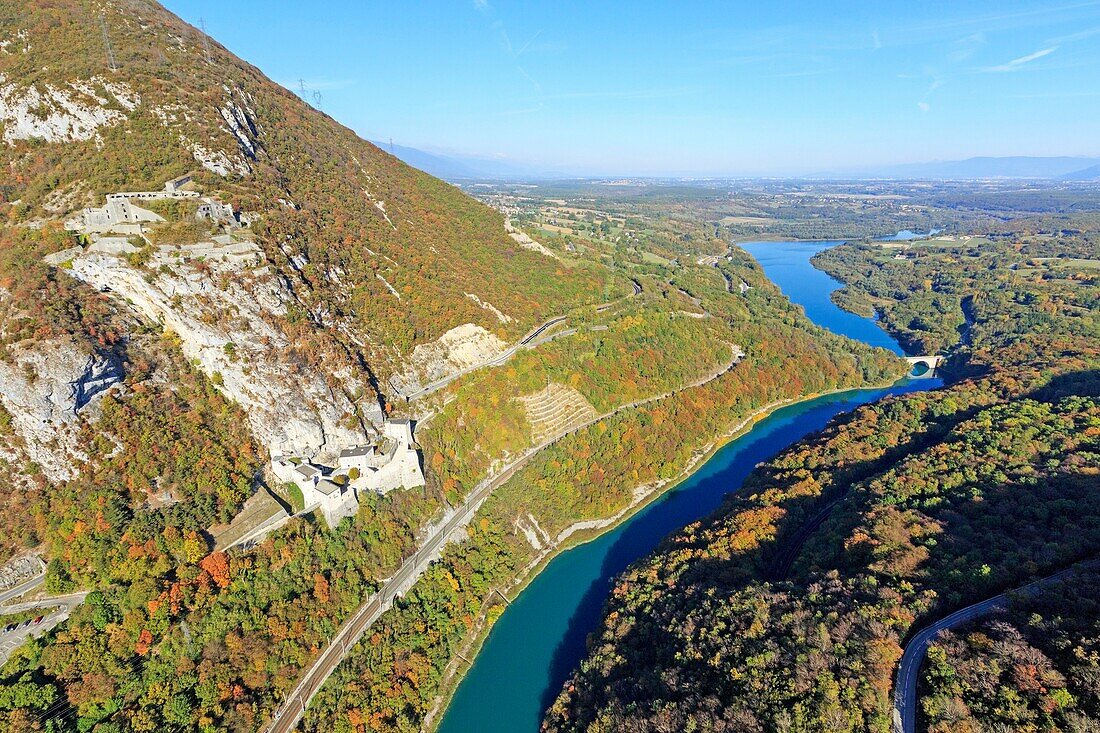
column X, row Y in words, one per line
column 1091, row 173
column 467, row 167
column 156, row 366
column 440, row 166
column 361, row 258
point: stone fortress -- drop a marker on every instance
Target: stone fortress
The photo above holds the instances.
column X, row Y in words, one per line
column 121, row 215
column 392, row 463
column 115, row 230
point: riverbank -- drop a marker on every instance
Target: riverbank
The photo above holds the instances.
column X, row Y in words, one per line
column 519, row 655
column 586, row 532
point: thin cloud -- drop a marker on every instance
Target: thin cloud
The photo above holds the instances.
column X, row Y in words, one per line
column 923, row 104
column 1004, row 21
column 1078, row 36
column 978, row 26
column 655, row 93
column 966, row 47
column 528, row 77
column 528, row 44
column 1016, row 64
column 506, row 41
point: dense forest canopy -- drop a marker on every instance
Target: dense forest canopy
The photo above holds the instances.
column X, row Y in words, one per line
column 926, row 502
column 672, row 339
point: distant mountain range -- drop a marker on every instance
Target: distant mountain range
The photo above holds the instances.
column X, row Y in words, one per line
column 463, row 167
column 1092, row 173
column 1052, row 168
column 1066, row 168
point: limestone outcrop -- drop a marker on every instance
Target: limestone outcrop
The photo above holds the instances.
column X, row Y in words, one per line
column 62, row 113
column 456, row 350
column 226, row 309
column 44, row 387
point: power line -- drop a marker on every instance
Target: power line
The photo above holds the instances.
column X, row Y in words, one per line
column 205, row 40
column 111, row 63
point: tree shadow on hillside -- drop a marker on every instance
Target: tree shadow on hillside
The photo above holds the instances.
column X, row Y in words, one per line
column 683, row 506
column 695, row 500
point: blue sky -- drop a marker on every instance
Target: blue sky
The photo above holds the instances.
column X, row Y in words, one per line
column 688, row 88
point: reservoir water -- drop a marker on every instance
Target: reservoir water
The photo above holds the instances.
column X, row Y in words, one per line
column 788, row 266
column 539, row 639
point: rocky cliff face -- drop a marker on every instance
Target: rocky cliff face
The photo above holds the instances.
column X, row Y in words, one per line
column 62, row 113
column 457, row 350
column 46, row 390
column 228, row 316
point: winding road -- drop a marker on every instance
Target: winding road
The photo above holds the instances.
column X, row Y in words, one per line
column 905, row 685
column 527, row 341
column 493, row 361
column 25, row 586
column 286, row 717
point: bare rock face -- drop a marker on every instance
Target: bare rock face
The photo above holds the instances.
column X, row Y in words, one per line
column 226, row 312
column 43, row 388
column 455, row 351
column 524, row 240
column 63, row 113
column 101, row 372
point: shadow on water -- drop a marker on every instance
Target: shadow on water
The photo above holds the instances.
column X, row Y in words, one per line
column 694, row 499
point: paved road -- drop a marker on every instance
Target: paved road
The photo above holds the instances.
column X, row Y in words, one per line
column 12, row 640
column 527, row 341
column 905, row 684
column 62, row 606
column 494, row 361
column 25, row 586
column 292, row 709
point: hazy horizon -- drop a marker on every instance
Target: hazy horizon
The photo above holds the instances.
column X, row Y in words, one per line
column 705, row 91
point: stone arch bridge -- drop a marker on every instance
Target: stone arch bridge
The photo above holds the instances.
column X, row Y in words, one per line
column 924, row 367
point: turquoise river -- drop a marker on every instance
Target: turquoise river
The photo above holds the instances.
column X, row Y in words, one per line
column 540, row 638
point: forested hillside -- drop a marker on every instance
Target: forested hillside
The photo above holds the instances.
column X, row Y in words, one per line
column 787, row 610
column 1034, row 668
column 353, row 259
column 929, row 292
column 148, row 377
column 398, row 675
column 177, row 635
column 177, row 102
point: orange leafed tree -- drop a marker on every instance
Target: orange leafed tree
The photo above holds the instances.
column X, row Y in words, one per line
column 217, row 566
